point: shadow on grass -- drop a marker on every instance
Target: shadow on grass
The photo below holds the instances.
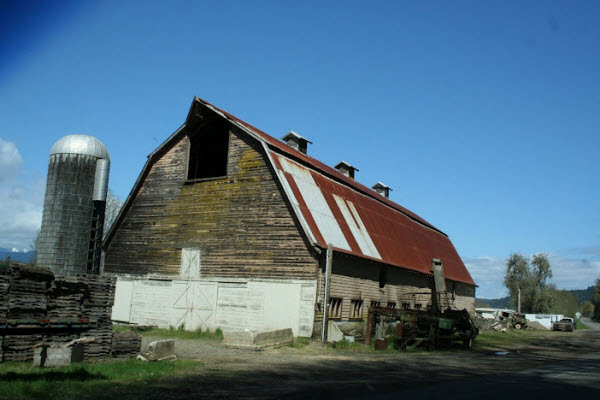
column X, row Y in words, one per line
column 79, row 375
column 468, row 377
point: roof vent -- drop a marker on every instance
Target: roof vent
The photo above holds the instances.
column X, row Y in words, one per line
column 296, row 141
column 382, row 189
column 346, row 169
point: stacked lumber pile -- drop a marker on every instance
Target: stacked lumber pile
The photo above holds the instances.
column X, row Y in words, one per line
column 4, row 284
column 27, row 299
column 33, row 293
column 97, row 304
column 65, row 297
column 126, row 343
column 20, row 347
column 28, row 287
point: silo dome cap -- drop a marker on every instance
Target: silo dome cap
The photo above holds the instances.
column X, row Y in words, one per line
column 80, row 144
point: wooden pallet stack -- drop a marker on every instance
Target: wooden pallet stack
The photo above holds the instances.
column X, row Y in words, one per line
column 34, row 293
column 27, row 299
column 97, row 304
column 28, row 287
column 4, row 284
column 65, row 298
column 126, row 344
column 20, row 347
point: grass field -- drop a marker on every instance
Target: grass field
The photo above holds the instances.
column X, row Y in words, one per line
column 83, row 380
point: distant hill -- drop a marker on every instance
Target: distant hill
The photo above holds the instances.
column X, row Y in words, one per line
column 494, row 303
column 21, row 256
column 582, row 296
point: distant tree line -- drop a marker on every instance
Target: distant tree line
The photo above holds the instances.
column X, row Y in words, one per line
column 539, row 297
column 596, row 302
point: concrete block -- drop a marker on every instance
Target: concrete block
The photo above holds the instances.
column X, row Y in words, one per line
column 253, row 340
column 239, row 339
column 161, row 349
column 334, row 334
column 57, row 356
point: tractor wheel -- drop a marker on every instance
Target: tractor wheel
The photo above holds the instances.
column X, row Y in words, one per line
column 518, row 326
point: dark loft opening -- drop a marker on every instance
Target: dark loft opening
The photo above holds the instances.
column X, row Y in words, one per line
column 208, row 151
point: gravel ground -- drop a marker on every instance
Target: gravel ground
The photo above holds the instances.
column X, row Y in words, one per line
column 315, row 371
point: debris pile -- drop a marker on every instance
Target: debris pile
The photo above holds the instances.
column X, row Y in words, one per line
column 126, row 343
column 33, row 295
column 502, row 321
column 160, row 350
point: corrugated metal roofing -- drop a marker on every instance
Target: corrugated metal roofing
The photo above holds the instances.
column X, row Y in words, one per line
column 353, row 218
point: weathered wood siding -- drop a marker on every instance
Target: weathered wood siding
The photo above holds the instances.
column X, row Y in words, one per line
column 356, row 279
column 241, row 224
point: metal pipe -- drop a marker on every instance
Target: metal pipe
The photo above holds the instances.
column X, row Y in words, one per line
column 101, row 180
column 328, row 267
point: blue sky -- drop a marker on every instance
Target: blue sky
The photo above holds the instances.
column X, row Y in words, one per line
column 483, row 117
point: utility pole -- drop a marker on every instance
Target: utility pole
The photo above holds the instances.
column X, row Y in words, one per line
column 519, row 300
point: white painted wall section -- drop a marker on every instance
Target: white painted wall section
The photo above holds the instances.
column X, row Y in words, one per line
column 546, row 320
column 190, row 263
column 210, row 304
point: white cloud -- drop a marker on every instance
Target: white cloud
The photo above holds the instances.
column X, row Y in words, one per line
column 488, row 273
column 10, row 160
column 21, row 199
column 574, row 270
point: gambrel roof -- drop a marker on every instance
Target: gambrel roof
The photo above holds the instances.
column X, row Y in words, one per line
column 333, row 208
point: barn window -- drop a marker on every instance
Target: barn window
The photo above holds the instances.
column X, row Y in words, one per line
column 405, row 306
column 209, row 146
column 417, row 306
column 375, row 303
column 356, row 309
column 391, row 304
column 335, row 308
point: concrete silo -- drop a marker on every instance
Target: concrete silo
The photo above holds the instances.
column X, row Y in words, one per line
column 74, row 206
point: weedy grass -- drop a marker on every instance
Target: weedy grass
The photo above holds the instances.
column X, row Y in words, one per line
column 83, row 380
column 580, row 325
column 497, row 338
column 299, row 343
column 175, row 333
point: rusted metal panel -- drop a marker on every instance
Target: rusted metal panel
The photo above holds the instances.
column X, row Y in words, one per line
column 374, row 230
column 361, row 235
column 317, row 206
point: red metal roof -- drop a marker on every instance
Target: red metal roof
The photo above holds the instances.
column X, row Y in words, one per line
column 355, row 219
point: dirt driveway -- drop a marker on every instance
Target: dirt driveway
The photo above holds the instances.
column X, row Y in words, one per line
column 315, row 372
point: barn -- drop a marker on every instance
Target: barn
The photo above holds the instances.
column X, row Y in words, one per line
column 227, row 227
